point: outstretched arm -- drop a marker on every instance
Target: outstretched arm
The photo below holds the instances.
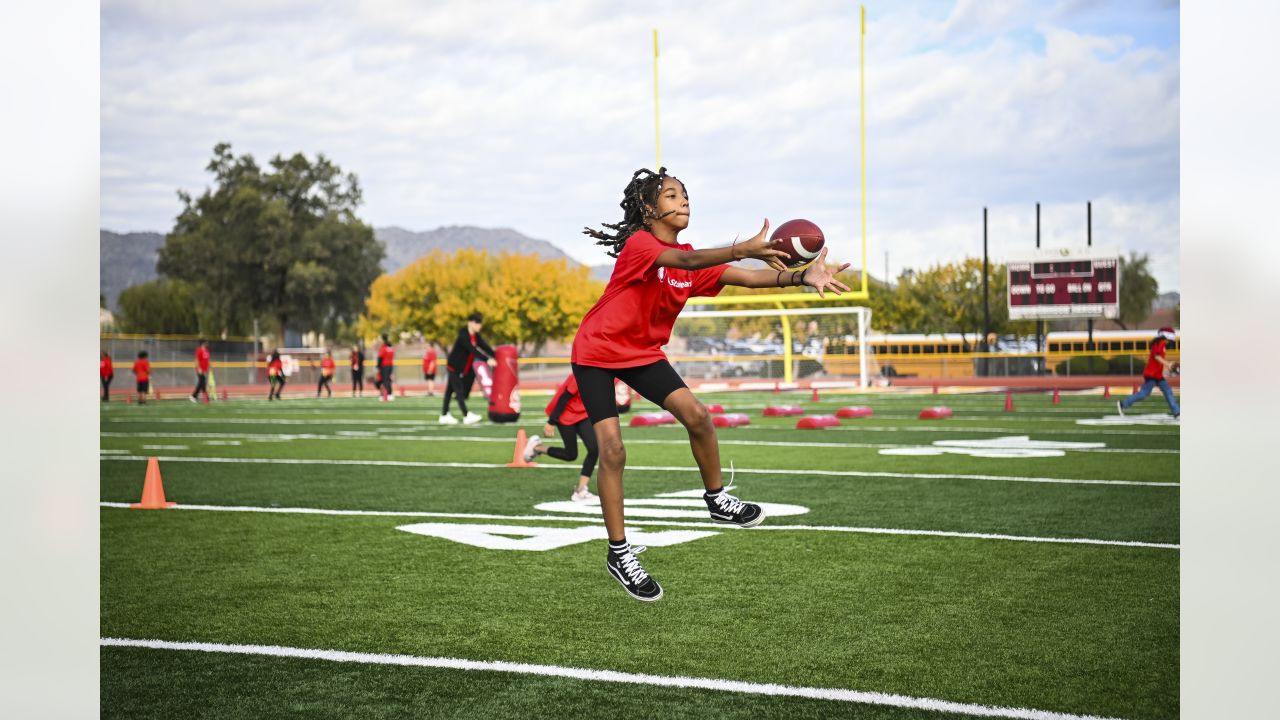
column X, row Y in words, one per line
column 817, row 275
column 758, row 247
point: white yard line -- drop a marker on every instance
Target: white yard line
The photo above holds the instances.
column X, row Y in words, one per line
column 859, row 697
column 667, row 523
column 648, row 468
column 350, row 435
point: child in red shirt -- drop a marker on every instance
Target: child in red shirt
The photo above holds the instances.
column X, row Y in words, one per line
column 326, row 374
column 429, row 361
column 202, row 371
column 142, row 371
column 621, row 337
column 1153, row 375
column 275, row 375
column 106, row 373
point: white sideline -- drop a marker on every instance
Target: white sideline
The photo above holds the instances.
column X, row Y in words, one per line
column 647, row 468
column 734, row 686
column 349, row 435
column 667, row 523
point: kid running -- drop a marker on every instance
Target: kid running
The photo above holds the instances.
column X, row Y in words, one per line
column 623, row 334
column 565, row 411
column 1153, row 375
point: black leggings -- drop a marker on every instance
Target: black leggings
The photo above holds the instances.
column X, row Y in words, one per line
column 654, row 382
column 459, row 385
column 106, row 387
column 202, row 385
column 277, row 385
column 324, row 385
column 570, row 433
column 357, row 379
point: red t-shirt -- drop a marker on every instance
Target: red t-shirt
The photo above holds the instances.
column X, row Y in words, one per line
column 142, row 368
column 429, row 363
column 275, row 367
column 326, row 366
column 632, row 320
column 574, row 411
column 1154, row 369
column 386, row 354
column 104, row 368
column 202, row 360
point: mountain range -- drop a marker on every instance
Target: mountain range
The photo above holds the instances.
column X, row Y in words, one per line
column 130, row 258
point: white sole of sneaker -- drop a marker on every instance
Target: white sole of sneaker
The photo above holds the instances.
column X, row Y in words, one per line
column 613, row 575
column 759, row 519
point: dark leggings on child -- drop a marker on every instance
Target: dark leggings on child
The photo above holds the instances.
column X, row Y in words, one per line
column 569, row 434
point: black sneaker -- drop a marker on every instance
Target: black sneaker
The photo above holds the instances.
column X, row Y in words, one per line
column 729, row 509
column 627, row 571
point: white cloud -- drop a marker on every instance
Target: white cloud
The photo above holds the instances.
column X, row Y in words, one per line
column 533, row 116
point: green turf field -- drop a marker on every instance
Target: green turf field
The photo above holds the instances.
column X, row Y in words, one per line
column 912, row 579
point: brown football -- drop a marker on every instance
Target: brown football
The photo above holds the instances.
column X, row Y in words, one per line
column 801, row 240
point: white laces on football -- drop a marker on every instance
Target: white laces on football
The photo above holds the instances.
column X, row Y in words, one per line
column 631, row 566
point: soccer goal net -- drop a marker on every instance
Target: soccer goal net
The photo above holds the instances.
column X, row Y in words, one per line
column 777, row 345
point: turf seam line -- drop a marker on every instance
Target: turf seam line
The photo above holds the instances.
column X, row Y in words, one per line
column 647, row 468
column 665, row 523
column 860, row 697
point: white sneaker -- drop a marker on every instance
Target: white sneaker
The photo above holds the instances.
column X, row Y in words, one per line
column 448, row 420
column 531, row 448
column 391, row 398
column 471, row 419
column 582, row 495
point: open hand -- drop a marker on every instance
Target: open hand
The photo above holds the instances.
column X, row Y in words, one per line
column 760, row 248
column 819, row 276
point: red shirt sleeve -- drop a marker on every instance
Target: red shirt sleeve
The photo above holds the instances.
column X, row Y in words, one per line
column 706, row 282
column 637, row 256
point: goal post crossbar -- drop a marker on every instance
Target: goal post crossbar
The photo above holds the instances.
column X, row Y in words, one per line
column 863, row 315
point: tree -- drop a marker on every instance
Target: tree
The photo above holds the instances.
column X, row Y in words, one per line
column 525, row 300
column 159, row 306
column 283, row 243
column 1138, row 290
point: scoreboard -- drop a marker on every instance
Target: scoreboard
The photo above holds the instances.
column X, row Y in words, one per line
column 1064, row 283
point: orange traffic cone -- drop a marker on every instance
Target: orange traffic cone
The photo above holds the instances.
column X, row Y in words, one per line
column 935, row 388
column 777, row 388
column 153, row 488
column 1008, row 402
column 1106, row 391
column 401, row 391
column 223, row 394
column 815, row 396
column 1056, row 399
column 517, row 457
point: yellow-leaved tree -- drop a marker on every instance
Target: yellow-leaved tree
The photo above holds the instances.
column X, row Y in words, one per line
column 525, row 300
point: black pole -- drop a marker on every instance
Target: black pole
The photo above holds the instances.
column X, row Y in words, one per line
column 1039, row 323
column 1088, row 234
column 986, row 309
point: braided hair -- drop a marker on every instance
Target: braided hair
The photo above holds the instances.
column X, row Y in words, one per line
column 638, row 199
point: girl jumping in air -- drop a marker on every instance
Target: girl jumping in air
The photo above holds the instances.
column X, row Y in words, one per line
column 623, row 334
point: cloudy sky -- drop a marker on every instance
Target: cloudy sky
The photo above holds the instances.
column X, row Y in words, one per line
column 506, row 113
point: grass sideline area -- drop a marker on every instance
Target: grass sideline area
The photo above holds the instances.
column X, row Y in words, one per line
column 928, row 561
